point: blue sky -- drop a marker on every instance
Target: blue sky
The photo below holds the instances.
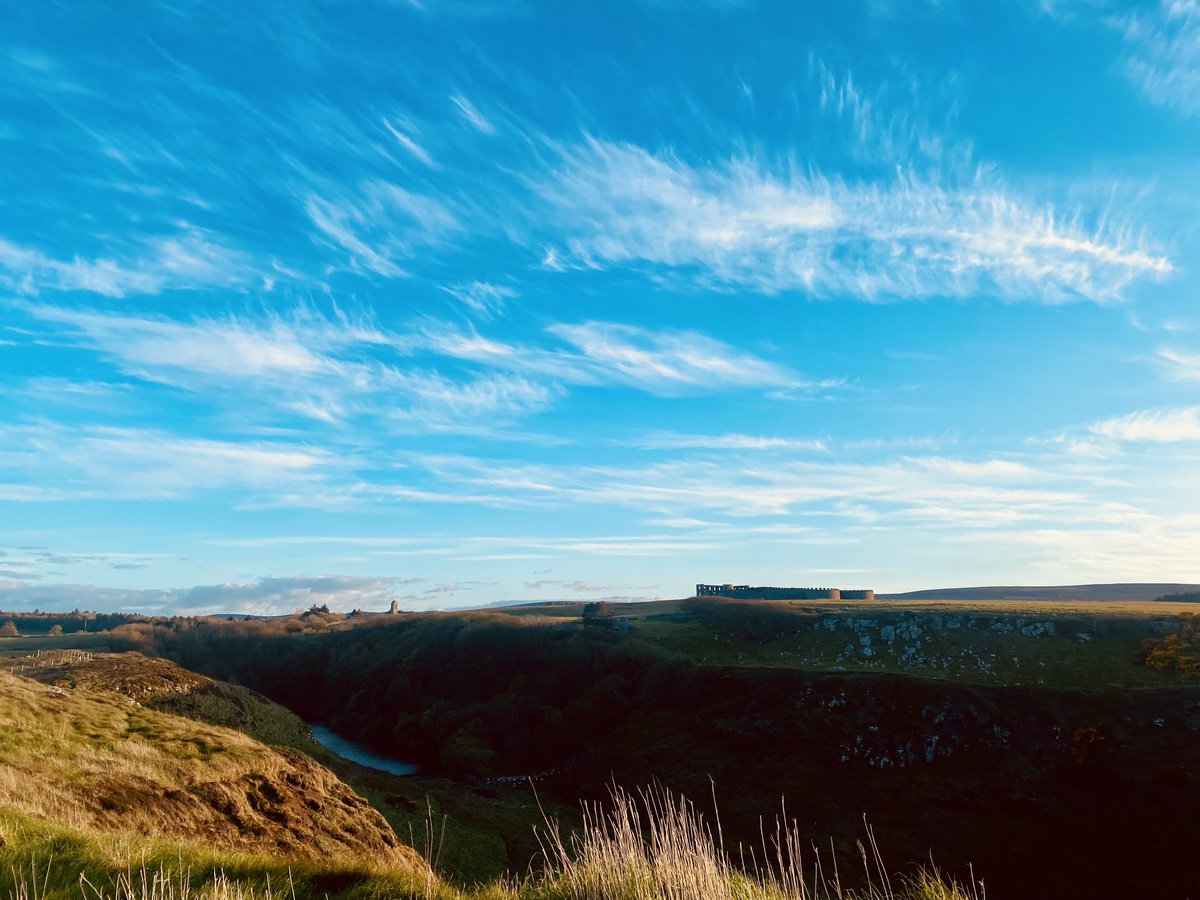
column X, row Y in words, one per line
column 462, row 302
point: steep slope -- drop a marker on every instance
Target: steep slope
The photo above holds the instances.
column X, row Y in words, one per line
column 91, row 757
column 159, row 684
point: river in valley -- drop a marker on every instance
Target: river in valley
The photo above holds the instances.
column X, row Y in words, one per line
column 360, row 753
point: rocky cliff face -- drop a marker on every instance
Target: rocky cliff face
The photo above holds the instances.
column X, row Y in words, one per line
column 1027, row 783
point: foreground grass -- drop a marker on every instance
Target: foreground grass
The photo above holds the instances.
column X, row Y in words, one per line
column 40, row 860
column 646, row 846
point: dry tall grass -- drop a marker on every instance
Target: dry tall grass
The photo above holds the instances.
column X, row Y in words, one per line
column 145, row 883
column 655, row 846
column 650, row 845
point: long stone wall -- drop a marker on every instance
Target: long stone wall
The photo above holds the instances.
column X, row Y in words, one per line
column 866, row 594
column 748, row 592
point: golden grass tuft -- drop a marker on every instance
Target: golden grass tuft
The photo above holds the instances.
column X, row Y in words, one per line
column 653, row 845
column 650, row 845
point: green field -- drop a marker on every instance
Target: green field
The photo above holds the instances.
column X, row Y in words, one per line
column 1082, row 644
column 25, row 645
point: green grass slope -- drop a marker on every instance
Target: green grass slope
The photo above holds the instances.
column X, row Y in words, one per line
column 102, row 761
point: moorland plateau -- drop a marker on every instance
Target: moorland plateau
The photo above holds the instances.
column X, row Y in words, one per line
column 1053, row 746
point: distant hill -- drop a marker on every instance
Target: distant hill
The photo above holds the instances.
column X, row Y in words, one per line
column 1122, row 591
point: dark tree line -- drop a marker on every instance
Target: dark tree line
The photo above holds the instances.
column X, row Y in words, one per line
column 463, row 695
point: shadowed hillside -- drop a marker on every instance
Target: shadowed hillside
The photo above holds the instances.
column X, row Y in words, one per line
column 103, row 799
column 1035, row 746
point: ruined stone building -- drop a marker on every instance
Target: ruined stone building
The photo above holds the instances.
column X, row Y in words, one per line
column 746, row 592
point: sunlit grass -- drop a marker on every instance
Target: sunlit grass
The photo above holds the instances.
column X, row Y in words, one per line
column 651, row 845
column 655, row 844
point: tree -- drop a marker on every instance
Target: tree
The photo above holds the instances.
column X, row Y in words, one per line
column 9, row 629
column 55, row 630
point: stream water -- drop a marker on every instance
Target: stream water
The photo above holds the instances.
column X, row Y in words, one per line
column 361, row 753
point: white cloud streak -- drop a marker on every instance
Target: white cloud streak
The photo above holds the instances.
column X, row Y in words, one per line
column 380, row 224
column 672, row 441
column 740, row 224
column 662, row 362
column 187, row 260
column 340, row 369
column 1163, row 54
column 1153, row 425
column 409, row 144
column 484, row 299
column 469, row 112
column 1180, row 365
column 126, row 463
column 328, row 368
column 666, row 361
column 931, row 491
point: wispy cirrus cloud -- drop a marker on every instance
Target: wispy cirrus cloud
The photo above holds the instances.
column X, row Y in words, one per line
column 1153, row 425
column 673, row 441
column 482, row 298
column 331, row 368
column 1180, row 365
column 471, row 9
column 190, row 259
column 381, row 224
column 1163, row 53
column 157, row 346
column 931, row 490
column 744, row 224
column 471, row 113
column 664, row 362
column 407, row 142
column 337, row 368
column 97, row 462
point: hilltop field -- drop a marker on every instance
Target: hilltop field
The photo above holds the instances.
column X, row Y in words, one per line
column 1039, row 742
column 1066, row 643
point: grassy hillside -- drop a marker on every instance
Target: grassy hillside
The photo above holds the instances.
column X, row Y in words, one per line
column 1055, row 766
column 102, row 798
column 486, row 830
column 103, row 762
column 158, row 684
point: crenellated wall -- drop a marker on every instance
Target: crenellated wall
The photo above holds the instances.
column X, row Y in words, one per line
column 748, row 592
